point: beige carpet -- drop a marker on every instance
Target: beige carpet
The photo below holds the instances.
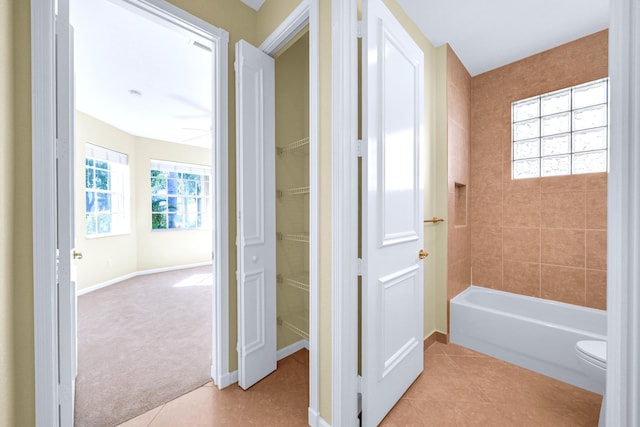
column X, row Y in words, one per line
column 141, row 343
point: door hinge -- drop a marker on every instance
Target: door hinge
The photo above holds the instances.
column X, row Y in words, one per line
column 359, row 29
column 361, row 148
column 359, row 266
column 213, row 255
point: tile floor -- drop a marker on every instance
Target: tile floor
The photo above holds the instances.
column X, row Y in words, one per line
column 458, row 387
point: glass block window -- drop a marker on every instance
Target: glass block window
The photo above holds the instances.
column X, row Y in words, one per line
column 106, row 192
column 561, row 133
column 180, row 196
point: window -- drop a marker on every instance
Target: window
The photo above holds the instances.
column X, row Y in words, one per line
column 106, row 189
column 561, row 133
column 180, row 195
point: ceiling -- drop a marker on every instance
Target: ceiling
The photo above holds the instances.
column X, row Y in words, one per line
column 149, row 79
column 142, row 76
column 486, row 34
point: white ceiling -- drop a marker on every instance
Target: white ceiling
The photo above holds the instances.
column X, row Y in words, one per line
column 486, row 34
column 118, row 51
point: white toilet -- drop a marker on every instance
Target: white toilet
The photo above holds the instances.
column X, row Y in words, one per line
column 592, row 356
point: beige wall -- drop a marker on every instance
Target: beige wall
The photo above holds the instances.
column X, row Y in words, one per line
column 292, row 171
column 104, row 258
column 6, row 216
column 23, row 358
column 110, row 257
column 543, row 237
column 459, row 132
column 166, row 248
column 438, row 189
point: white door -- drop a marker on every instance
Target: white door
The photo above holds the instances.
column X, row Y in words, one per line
column 256, row 213
column 67, row 349
column 392, row 285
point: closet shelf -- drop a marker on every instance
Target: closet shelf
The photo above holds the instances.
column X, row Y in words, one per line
column 298, row 324
column 297, row 191
column 295, row 282
column 293, row 146
column 293, row 237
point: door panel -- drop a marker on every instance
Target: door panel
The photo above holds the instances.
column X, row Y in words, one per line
column 392, row 290
column 255, row 172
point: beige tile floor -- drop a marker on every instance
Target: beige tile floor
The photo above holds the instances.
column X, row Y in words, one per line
column 458, row 387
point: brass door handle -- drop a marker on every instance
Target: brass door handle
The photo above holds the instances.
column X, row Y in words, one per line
column 77, row 255
column 422, row 254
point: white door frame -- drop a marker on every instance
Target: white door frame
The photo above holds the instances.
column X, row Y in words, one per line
column 306, row 13
column 623, row 241
column 344, row 212
column 44, row 199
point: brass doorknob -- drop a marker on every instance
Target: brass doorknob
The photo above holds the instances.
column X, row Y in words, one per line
column 77, row 255
column 422, row 254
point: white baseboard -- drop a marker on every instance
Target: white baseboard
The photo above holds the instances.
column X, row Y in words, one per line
column 290, row 349
column 139, row 273
column 315, row 420
column 227, row 379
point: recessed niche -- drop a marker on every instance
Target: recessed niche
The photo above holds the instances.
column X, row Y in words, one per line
column 461, row 204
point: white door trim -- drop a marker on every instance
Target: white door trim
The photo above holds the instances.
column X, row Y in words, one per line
column 306, row 13
column 623, row 242
column 344, row 202
column 44, row 202
column 43, row 127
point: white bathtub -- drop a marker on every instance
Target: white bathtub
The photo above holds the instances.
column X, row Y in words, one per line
column 534, row 333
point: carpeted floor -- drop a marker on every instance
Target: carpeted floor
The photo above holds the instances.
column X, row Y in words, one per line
column 141, row 343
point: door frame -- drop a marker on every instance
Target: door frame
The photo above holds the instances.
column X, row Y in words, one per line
column 43, row 87
column 344, row 212
column 306, row 13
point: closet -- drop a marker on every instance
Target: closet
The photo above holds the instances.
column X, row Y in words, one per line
column 292, row 193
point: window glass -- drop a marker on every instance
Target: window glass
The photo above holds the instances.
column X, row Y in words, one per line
column 561, row 133
column 180, row 196
column 106, row 189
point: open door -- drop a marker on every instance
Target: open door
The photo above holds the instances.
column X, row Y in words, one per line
column 65, row 167
column 256, row 214
column 392, row 212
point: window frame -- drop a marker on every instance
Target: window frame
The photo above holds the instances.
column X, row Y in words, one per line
column 571, row 133
column 204, row 193
column 117, row 164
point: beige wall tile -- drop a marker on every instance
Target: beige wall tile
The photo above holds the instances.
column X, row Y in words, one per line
column 521, row 244
column 563, row 247
column 565, row 284
column 486, row 179
column 597, row 289
column 597, row 210
column 597, row 182
column 486, row 270
column 486, row 209
column 563, row 210
column 521, row 210
column 563, row 184
column 486, row 240
column 596, row 249
column 521, row 277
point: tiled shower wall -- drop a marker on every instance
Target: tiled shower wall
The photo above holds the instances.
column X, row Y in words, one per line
column 544, row 237
column 458, row 138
